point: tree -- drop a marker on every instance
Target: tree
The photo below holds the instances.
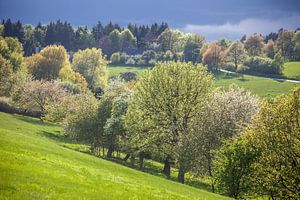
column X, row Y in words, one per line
column 6, row 70
column 128, row 42
column 233, row 167
column 275, row 134
column 83, row 39
column 92, row 65
column 168, row 39
column 39, row 35
column 278, row 63
column 29, row 43
column 164, row 106
column 296, row 44
column 235, row 53
column 80, row 119
column 192, row 48
column 60, row 33
column 254, row 44
column 212, row 56
column 223, row 43
column 227, row 114
column 115, row 40
column 68, row 74
column 97, row 31
column 270, row 49
column 14, row 30
column 34, row 95
column 1, row 30
column 11, row 49
column 48, row 63
column 284, row 43
column 114, row 129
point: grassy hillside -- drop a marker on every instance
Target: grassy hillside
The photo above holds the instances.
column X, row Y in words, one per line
column 292, row 70
column 35, row 165
column 263, row 87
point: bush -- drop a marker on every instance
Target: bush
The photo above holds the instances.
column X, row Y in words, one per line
column 123, row 58
column 229, row 66
column 115, row 58
column 130, row 61
column 149, row 55
column 152, row 62
column 6, row 105
column 140, row 62
column 128, row 76
column 262, row 65
column 70, row 87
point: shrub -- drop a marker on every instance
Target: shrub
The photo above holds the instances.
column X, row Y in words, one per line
column 115, row 58
column 140, row 62
column 152, row 62
column 149, row 55
column 7, row 105
column 229, row 66
column 70, row 87
column 262, row 65
column 128, row 76
column 130, row 61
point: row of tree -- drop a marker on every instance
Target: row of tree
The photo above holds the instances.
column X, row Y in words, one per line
column 247, row 147
column 34, row 38
column 136, row 39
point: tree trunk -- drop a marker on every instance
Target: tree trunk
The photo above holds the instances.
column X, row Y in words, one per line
column 210, row 173
column 141, row 158
column 167, row 167
column 126, row 157
column 110, row 151
column 181, row 174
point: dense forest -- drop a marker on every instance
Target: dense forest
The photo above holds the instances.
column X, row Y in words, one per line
column 245, row 146
column 146, row 44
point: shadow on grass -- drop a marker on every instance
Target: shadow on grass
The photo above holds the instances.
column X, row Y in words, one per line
column 243, row 79
column 222, row 75
column 150, row 167
column 155, row 170
column 131, row 66
column 35, row 121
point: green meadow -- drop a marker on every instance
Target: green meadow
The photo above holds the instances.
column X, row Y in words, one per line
column 37, row 162
column 263, row 87
column 292, row 70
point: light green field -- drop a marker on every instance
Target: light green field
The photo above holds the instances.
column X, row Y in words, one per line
column 34, row 164
column 292, row 70
column 263, row 87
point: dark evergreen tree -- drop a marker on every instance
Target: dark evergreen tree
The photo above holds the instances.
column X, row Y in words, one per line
column 98, row 31
column 14, row 30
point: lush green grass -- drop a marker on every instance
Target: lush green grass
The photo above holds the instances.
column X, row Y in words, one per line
column 263, row 87
column 35, row 164
column 115, row 70
column 292, row 70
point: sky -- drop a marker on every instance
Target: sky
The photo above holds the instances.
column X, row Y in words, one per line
column 212, row 18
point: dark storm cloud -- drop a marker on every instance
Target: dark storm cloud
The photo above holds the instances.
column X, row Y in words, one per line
column 228, row 17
